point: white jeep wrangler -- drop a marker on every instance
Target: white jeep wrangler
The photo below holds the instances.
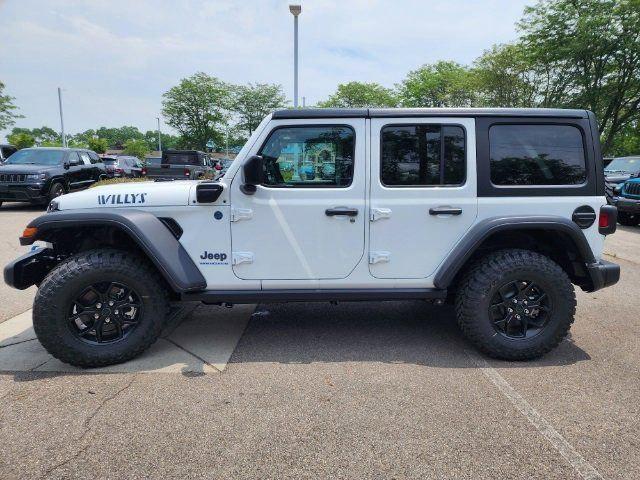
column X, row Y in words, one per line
column 499, row 211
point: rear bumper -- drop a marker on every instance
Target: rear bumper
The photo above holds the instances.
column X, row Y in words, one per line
column 603, row 274
column 29, row 269
column 34, row 193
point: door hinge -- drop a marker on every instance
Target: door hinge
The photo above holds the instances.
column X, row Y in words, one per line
column 238, row 214
column 379, row 257
column 378, row 213
column 241, row 257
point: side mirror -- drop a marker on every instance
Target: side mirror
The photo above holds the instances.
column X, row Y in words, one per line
column 66, row 165
column 253, row 171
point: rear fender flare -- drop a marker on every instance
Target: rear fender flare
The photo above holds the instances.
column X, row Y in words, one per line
column 490, row 226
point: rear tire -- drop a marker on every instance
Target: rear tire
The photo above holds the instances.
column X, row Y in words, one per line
column 628, row 219
column 515, row 281
column 76, row 284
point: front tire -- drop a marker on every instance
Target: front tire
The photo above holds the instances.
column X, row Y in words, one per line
column 628, row 219
column 100, row 308
column 56, row 190
column 515, row 304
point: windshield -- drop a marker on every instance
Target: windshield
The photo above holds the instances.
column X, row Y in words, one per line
column 36, row 157
column 180, row 159
column 630, row 165
column 109, row 161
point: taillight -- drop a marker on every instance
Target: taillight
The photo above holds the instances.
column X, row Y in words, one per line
column 119, row 170
column 218, row 167
column 187, row 172
column 143, row 171
column 607, row 221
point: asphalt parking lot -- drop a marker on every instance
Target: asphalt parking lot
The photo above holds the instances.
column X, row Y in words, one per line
column 357, row 390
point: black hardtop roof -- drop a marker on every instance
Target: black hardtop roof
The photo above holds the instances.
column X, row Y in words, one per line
column 303, row 113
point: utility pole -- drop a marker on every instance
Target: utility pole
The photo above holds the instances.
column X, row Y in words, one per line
column 295, row 10
column 159, row 137
column 63, row 136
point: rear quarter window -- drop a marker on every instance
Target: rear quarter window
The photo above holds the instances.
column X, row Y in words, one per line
column 528, row 154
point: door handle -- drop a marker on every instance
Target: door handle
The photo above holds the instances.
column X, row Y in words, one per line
column 445, row 211
column 348, row 212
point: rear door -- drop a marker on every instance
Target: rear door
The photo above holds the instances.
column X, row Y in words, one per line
column 76, row 174
column 303, row 223
column 423, row 193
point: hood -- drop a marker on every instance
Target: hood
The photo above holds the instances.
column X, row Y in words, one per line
column 8, row 168
column 616, row 177
column 128, row 195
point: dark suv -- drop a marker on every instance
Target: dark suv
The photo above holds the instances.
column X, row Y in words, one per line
column 618, row 171
column 36, row 175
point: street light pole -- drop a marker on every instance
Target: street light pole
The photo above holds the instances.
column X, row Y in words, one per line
column 159, row 137
column 64, row 137
column 295, row 10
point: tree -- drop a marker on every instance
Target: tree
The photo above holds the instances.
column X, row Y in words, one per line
column 197, row 108
column 116, row 137
column 587, row 55
column 251, row 103
column 361, row 95
column 21, row 140
column 7, row 110
column 168, row 140
column 98, row 145
column 443, row 84
column 137, row 148
column 503, row 77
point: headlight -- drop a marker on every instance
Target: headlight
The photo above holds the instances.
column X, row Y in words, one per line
column 35, row 177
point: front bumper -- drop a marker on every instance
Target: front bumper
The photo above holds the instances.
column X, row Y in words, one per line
column 603, row 274
column 627, row 205
column 29, row 269
column 23, row 192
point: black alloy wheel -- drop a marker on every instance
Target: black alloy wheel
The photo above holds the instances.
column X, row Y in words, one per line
column 104, row 313
column 520, row 309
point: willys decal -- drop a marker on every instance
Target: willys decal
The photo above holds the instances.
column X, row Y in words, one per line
column 122, row 199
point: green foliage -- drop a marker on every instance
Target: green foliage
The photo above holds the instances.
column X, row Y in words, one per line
column 442, row 84
column 502, row 77
column 251, row 103
column 43, row 136
column 21, row 140
column 361, row 95
column 198, row 109
column 586, row 54
column 7, row 110
column 98, row 145
column 627, row 141
column 136, row 147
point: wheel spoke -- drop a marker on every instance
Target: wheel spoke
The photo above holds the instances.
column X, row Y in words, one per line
column 519, row 309
column 97, row 327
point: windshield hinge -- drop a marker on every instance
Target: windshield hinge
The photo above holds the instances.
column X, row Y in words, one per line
column 379, row 257
column 241, row 257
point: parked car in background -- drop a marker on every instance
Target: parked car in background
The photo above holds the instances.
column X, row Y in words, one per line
column 628, row 202
column 6, row 151
column 37, row 175
column 618, row 171
column 224, row 163
column 182, row 165
column 124, row 166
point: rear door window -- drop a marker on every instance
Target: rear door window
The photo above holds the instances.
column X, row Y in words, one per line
column 527, row 154
column 422, row 155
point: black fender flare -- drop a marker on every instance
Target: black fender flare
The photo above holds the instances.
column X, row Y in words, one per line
column 144, row 228
column 490, row 226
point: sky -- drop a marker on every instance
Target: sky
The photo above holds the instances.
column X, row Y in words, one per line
column 115, row 58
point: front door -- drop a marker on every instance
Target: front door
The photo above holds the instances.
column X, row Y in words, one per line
column 423, row 193
column 306, row 222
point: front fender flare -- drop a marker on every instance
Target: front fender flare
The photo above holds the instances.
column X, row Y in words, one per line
column 144, row 228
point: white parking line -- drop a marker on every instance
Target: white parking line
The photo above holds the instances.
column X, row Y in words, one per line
column 577, row 461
